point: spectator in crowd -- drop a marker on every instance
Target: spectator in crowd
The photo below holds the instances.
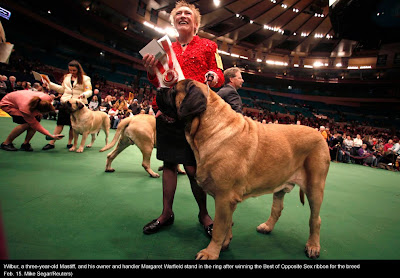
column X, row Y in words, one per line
column 106, row 104
column 135, row 107
column 357, row 143
column 96, row 93
column 323, row 132
column 3, row 86
column 26, row 109
column 335, row 147
column 11, row 84
column 37, row 87
column 233, row 82
column 113, row 114
column 367, row 156
column 347, row 148
column 94, row 104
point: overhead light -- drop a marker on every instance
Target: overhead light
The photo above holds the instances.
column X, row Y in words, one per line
column 251, row 21
column 237, row 15
column 223, row 52
column 318, row 64
column 338, row 65
column 352, row 67
column 296, row 10
column 126, row 27
column 259, row 60
column 308, row 66
column 365, row 67
column 277, row 63
column 284, row 6
column 217, row 2
column 88, row 8
column 235, row 55
column 49, row 12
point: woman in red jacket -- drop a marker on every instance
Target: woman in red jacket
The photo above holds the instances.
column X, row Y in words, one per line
column 26, row 108
column 198, row 58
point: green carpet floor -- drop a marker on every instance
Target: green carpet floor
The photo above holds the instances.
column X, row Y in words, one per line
column 61, row 205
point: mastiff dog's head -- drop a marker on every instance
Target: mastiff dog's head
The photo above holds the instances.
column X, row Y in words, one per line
column 72, row 106
column 185, row 100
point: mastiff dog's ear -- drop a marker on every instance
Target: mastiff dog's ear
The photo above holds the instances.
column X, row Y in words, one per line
column 80, row 105
column 166, row 101
column 194, row 102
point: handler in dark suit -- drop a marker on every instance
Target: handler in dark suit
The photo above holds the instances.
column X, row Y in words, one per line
column 233, row 81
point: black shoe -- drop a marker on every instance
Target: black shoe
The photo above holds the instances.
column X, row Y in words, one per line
column 26, row 147
column 9, row 147
column 208, row 229
column 155, row 225
column 48, row 147
column 69, row 146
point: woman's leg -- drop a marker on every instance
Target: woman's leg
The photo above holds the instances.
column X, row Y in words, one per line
column 169, row 180
column 29, row 134
column 199, row 195
column 70, row 135
column 17, row 131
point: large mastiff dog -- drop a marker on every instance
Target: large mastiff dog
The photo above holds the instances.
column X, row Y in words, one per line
column 85, row 121
column 238, row 158
column 139, row 130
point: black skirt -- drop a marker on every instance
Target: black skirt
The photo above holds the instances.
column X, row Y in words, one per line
column 63, row 117
column 172, row 146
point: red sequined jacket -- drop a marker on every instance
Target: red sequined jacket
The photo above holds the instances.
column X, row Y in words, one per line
column 198, row 59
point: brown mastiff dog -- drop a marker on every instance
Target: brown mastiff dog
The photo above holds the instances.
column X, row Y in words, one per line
column 85, row 121
column 238, row 158
column 139, row 130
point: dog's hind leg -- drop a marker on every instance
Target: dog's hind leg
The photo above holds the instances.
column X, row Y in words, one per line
column 122, row 145
column 314, row 195
column 93, row 139
column 276, row 211
column 146, row 150
column 316, row 167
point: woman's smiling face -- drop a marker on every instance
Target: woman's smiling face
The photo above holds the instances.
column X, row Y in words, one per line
column 184, row 20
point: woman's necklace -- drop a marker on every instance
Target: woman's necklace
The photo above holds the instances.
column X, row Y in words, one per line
column 185, row 44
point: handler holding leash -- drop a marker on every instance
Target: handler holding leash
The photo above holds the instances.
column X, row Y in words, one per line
column 76, row 85
column 26, row 108
column 198, row 59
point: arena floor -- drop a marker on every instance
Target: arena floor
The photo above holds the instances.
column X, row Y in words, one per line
column 61, row 205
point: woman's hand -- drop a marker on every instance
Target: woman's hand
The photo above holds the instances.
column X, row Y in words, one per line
column 149, row 63
column 58, row 136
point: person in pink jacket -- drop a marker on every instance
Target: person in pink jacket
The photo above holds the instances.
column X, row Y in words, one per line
column 26, row 108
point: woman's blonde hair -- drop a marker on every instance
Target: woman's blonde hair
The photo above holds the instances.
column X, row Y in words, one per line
column 196, row 13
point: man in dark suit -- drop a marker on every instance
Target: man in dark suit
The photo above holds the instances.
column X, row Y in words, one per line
column 233, row 81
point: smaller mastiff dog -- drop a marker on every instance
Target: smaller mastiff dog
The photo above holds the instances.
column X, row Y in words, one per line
column 139, row 130
column 85, row 121
column 238, row 158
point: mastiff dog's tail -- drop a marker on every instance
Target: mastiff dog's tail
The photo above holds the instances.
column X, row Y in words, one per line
column 121, row 127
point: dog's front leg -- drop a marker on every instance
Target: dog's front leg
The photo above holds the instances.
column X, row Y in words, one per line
column 82, row 146
column 76, row 135
column 224, row 209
